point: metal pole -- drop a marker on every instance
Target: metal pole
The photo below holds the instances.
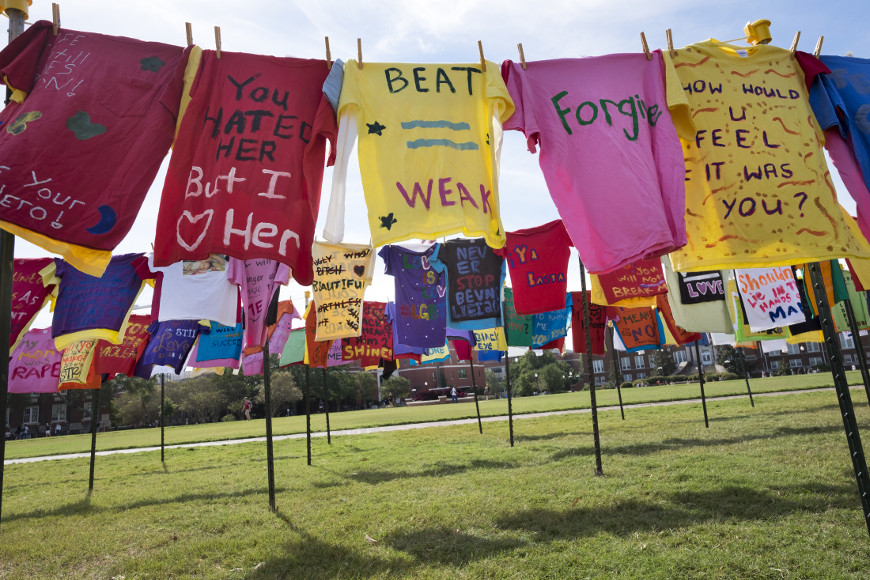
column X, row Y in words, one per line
column 326, row 405
column 507, row 378
column 270, row 456
column 94, row 412
column 617, row 374
column 748, row 390
column 701, row 379
column 7, row 256
column 856, row 450
column 856, row 337
column 595, row 436
column 162, row 416
column 474, row 386
column 308, row 410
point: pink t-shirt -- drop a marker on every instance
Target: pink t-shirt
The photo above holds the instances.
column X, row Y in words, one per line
column 609, row 152
column 258, row 279
column 34, row 366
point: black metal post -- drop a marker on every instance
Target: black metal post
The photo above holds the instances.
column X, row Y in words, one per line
column 748, row 390
column 162, row 416
column 95, row 410
column 270, row 456
column 856, row 337
column 856, row 450
column 617, row 373
column 589, row 372
column 474, row 387
column 701, row 380
column 326, row 406
column 507, row 378
column 308, row 410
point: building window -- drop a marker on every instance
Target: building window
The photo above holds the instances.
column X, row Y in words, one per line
column 846, row 340
column 795, row 363
column 639, row 363
column 848, row 359
column 813, row 347
column 462, row 373
column 497, row 370
column 626, row 377
column 598, row 366
column 625, row 364
column 599, row 380
column 31, row 414
column 706, row 357
column 641, row 375
column 680, row 356
column 58, row 413
column 816, row 361
column 794, row 349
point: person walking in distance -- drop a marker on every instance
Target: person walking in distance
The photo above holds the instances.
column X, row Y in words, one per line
column 246, row 407
column 453, row 396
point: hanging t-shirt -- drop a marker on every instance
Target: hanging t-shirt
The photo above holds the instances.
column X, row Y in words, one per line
column 429, row 146
column 221, row 347
column 113, row 101
column 517, row 327
column 758, row 191
column 611, row 145
column 475, row 275
column 400, row 349
column 29, row 294
column 770, row 297
column 77, row 368
column 258, row 280
column 632, row 285
column 342, row 272
column 198, row 290
column 698, row 299
column 112, row 359
column 674, row 333
column 598, row 316
column 376, row 340
column 858, row 304
column 171, row 341
column 742, row 332
column 34, row 366
column 293, row 352
column 316, row 351
column 246, row 169
column 421, row 299
column 90, row 307
column 548, row 326
column 638, row 329
column 538, row 262
column 489, row 344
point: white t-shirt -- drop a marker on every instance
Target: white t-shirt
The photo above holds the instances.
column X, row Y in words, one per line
column 198, row 290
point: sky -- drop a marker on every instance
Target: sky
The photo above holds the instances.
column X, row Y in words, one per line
column 438, row 31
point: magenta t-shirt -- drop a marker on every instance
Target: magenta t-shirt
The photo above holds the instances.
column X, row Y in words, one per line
column 609, row 152
column 34, row 366
column 258, row 279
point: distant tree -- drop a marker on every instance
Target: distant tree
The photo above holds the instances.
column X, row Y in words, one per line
column 282, row 391
column 733, row 360
column 663, row 358
column 494, row 382
column 366, row 388
column 396, row 386
column 782, row 368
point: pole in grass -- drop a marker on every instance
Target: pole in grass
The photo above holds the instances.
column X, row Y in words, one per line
column 701, row 380
column 308, row 397
column 859, row 347
column 326, row 407
column 617, row 375
column 474, row 387
column 742, row 367
column 95, row 411
column 7, row 255
column 590, row 374
column 507, row 379
column 841, row 386
column 162, row 416
column 267, row 395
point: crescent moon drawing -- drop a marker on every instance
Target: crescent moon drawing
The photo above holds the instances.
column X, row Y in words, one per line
column 108, row 219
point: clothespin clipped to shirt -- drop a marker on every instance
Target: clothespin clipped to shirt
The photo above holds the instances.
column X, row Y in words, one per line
column 794, row 43
column 645, row 46
column 818, row 49
column 522, row 55
column 328, row 55
column 217, row 41
column 189, row 31
column 482, row 60
column 670, row 40
column 359, row 53
column 55, row 16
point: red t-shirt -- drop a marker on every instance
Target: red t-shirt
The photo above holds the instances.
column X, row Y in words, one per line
column 247, row 166
column 81, row 151
column 538, row 263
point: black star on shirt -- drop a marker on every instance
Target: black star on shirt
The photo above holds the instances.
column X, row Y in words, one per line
column 387, row 221
column 375, row 128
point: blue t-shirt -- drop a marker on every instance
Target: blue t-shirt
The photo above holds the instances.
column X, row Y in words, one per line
column 549, row 326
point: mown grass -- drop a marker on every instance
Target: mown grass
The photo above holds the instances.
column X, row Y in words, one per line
column 415, row 414
column 765, row 492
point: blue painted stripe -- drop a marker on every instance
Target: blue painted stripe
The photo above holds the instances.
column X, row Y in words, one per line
column 436, row 125
column 467, row 146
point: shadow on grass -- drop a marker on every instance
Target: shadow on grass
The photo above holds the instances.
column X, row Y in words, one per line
column 441, row 469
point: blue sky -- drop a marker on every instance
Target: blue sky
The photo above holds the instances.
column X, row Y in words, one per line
column 442, row 31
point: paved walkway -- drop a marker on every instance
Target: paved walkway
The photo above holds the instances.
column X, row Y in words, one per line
column 409, row 426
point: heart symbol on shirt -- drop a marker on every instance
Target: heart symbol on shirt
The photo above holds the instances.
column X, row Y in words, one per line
column 359, row 270
column 186, row 215
column 82, row 126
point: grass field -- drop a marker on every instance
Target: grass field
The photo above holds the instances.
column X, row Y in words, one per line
column 765, row 492
column 378, row 417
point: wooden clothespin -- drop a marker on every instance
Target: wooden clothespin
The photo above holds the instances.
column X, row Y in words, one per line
column 328, row 54
column 794, row 43
column 189, row 30
column 670, row 42
column 55, row 16
column 522, row 55
column 482, row 60
column 645, row 46
column 217, row 41
column 359, row 53
column 818, row 49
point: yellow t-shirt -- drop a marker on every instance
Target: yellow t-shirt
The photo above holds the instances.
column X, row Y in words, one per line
column 429, row 140
column 758, row 190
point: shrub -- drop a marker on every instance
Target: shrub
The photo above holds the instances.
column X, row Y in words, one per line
column 228, row 417
column 626, row 385
column 729, row 377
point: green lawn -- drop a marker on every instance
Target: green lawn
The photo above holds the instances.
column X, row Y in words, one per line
column 765, row 492
column 417, row 414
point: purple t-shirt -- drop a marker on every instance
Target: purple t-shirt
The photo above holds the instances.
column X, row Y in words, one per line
column 398, row 346
column 258, row 279
column 421, row 296
column 171, row 341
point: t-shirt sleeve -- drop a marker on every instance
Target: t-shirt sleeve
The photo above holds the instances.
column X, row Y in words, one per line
column 386, row 255
column 497, row 93
column 678, row 101
column 523, row 118
column 332, row 85
column 282, row 275
column 236, row 271
column 21, row 57
column 325, row 128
